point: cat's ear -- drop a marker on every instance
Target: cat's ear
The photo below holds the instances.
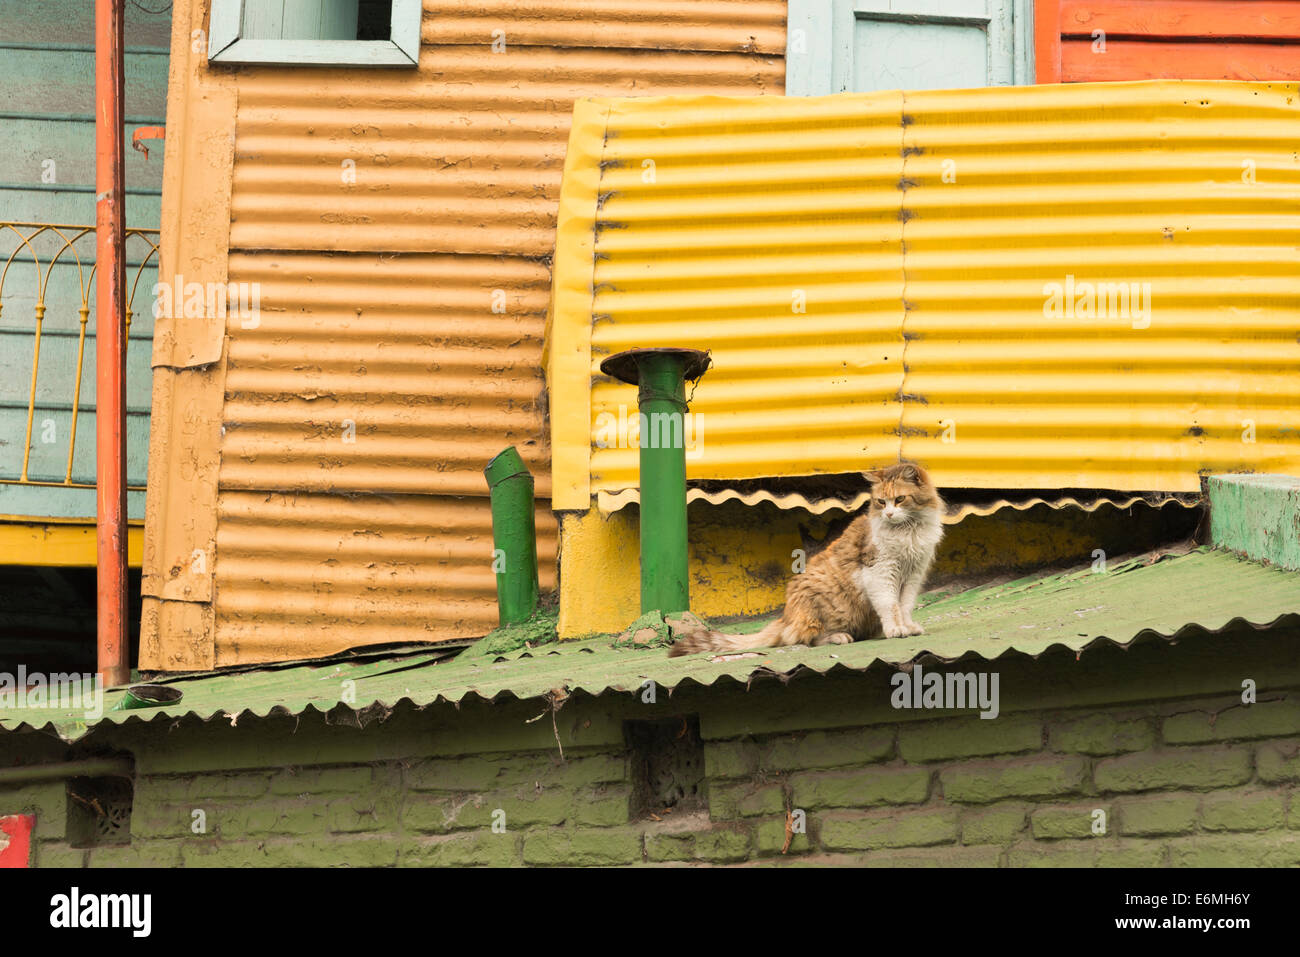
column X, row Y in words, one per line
column 915, row 474
column 874, row 476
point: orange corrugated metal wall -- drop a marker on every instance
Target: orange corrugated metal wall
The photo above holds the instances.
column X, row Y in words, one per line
column 400, row 337
column 1079, row 41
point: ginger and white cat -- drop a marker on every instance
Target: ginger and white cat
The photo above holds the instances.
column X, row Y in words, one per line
column 865, row 583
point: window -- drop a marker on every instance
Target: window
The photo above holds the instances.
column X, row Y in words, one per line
column 316, row 32
column 837, row 46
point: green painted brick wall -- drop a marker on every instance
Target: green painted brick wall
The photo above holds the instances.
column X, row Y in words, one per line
column 1120, row 767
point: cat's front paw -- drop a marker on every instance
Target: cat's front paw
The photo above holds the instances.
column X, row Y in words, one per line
column 895, row 631
column 914, row 629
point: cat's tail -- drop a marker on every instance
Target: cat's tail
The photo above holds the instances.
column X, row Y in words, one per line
column 717, row 642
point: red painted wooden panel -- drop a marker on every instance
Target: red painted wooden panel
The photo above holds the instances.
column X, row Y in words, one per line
column 1047, row 41
column 16, row 839
column 1136, row 60
column 1262, row 19
column 1167, row 39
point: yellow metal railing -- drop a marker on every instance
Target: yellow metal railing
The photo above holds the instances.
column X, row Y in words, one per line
column 45, row 245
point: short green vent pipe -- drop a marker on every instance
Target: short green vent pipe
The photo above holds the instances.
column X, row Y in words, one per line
column 514, row 536
column 661, row 375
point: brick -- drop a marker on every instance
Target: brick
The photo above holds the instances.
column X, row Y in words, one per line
column 767, row 799
column 1243, row 810
column 466, row 849
column 211, row 786
column 480, row 773
column 932, row 857
column 1267, row 719
column 828, row 749
column 588, row 847
column 601, row 807
column 331, row 851
column 1278, row 761
column 426, row 814
column 724, row 799
column 1158, row 814
column 730, row 759
column 1094, row 852
column 1057, row 823
column 717, row 846
column 988, row 781
column 722, row 845
column 998, row 824
column 670, row 847
column 969, row 737
column 49, row 802
column 911, row 829
column 528, row 769
column 168, row 820
column 297, row 781
column 769, row 838
column 1101, row 734
column 58, row 854
column 868, row 788
column 268, row 819
column 362, row 813
column 136, row 854
column 1236, row 850
column 1175, row 768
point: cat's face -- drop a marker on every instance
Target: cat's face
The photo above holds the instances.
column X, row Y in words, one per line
column 901, row 493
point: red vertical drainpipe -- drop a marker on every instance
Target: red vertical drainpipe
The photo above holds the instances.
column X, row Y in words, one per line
column 110, row 316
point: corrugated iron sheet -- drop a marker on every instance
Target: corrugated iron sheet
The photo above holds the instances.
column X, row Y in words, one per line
column 872, row 274
column 1149, row 598
column 608, row 502
column 400, row 224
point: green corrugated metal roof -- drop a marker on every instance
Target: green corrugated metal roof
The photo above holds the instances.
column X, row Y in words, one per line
column 1162, row 595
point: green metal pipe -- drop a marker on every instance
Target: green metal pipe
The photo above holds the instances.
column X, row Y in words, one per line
column 665, row 583
column 514, row 536
column 85, row 768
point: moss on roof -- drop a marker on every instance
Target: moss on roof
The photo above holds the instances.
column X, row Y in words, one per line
column 1156, row 595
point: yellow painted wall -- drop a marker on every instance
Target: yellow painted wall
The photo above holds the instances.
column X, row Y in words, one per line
column 61, row 544
column 741, row 556
column 874, row 276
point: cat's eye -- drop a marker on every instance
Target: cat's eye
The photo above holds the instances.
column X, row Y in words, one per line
column 899, row 500
column 880, row 501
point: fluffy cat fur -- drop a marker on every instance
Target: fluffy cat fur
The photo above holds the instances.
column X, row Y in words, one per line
column 865, row 583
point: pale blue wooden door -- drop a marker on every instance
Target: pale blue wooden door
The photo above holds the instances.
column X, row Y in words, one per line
column 837, row 46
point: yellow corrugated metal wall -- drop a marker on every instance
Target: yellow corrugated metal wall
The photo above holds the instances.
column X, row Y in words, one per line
column 348, row 507
column 876, row 275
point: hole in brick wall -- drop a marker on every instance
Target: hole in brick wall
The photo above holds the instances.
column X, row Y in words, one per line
column 99, row 811
column 667, row 765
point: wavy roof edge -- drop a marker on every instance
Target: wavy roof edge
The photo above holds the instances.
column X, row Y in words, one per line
column 609, row 502
column 987, row 623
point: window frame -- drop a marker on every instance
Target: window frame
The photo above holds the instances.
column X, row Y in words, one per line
column 402, row 49
column 812, row 73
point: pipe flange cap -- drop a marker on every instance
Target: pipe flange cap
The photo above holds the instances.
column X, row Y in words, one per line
column 623, row 365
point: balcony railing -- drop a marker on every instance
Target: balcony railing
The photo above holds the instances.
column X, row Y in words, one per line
column 47, row 277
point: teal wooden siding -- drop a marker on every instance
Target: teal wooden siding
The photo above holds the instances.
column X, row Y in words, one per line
column 47, row 90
